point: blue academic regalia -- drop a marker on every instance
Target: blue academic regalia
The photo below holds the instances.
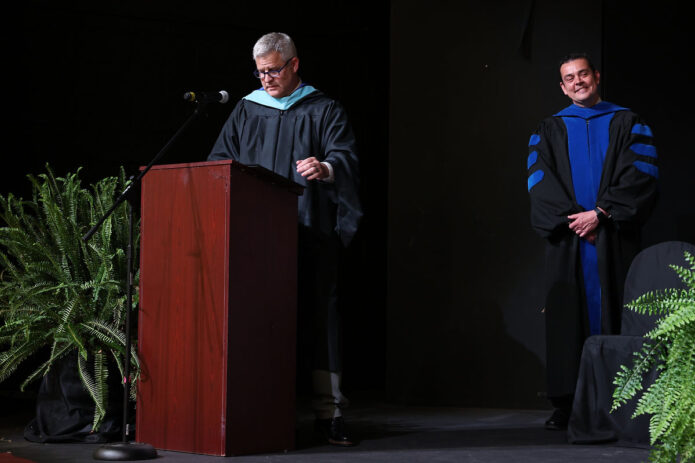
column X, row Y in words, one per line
column 580, row 159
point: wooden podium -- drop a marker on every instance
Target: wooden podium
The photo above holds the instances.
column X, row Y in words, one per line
column 217, row 320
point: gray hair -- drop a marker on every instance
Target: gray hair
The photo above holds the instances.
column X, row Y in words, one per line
column 275, row 41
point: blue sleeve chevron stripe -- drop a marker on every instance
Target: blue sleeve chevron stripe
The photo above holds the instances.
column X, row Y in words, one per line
column 532, row 158
column 644, row 150
column 649, row 169
column 534, row 178
column 641, row 129
column 534, row 140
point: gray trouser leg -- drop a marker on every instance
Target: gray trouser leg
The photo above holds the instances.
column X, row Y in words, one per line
column 328, row 400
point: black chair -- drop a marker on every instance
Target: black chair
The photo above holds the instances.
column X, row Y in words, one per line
column 602, row 355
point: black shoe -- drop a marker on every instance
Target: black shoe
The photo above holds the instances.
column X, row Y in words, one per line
column 333, row 430
column 558, row 420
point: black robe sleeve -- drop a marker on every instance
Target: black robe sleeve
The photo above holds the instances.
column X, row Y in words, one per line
column 338, row 146
column 629, row 194
column 550, row 180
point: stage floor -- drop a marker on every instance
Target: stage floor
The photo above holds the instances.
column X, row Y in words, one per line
column 387, row 433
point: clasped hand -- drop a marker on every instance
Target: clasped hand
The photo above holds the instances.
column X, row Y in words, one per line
column 584, row 224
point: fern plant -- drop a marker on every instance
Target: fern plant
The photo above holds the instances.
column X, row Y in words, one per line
column 58, row 294
column 671, row 348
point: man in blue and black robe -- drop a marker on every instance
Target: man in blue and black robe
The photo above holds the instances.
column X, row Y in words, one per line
column 592, row 171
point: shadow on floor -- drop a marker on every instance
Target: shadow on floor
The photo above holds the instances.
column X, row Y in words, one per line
column 387, row 434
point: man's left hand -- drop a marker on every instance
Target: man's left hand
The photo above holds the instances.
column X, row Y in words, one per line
column 312, row 169
column 583, row 223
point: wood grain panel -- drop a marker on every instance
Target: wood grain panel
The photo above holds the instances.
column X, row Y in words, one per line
column 217, row 310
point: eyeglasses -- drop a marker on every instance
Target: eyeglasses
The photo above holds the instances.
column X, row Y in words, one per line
column 273, row 72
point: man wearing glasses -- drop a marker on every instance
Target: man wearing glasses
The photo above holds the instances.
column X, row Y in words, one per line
column 296, row 131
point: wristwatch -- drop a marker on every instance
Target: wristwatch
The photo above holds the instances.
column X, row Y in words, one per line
column 602, row 218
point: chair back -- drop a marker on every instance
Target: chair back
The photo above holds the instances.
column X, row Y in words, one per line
column 650, row 271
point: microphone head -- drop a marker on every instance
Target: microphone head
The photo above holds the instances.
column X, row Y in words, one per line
column 208, row 97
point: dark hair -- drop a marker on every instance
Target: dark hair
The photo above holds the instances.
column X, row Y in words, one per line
column 574, row 56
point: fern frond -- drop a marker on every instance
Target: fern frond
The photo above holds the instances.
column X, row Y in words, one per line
column 670, row 400
column 686, row 275
column 10, row 360
column 653, row 302
column 56, row 291
column 106, row 333
column 101, row 374
column 679, row 317
column 56, row 354
column 91, row 386
column 628, row 381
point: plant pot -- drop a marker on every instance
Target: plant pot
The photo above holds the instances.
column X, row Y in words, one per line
column 65, row 410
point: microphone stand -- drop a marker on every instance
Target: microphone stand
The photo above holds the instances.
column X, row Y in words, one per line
column 126, row 450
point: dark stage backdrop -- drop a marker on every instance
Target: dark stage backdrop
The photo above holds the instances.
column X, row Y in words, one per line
column 452, row 315
column 469, row 82
column 99, row 85
column 647, row 59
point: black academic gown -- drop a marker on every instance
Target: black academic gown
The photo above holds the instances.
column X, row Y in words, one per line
column 275, row 139
column 626, row 192
column 328, row 213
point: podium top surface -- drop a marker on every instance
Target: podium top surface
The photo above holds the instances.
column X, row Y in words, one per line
column 252, row 169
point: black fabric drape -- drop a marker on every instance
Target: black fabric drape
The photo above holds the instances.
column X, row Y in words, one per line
column 602, row 356
column 65, row 411
column 591, row 421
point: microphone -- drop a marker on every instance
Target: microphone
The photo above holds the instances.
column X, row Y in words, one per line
column 207, row 97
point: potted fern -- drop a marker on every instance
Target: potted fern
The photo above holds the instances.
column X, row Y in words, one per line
column 671, row 347
column 61, row 298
